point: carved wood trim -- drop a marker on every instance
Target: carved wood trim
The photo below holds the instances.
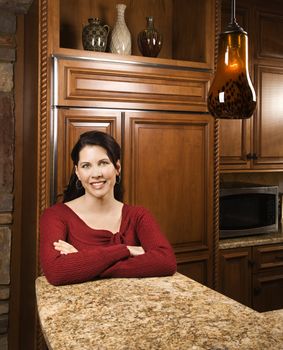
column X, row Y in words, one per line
column 43, row 125
column 216, row 208
column 43, row 109
column 215, row 282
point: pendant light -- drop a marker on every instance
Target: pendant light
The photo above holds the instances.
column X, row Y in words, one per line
column 231, row 95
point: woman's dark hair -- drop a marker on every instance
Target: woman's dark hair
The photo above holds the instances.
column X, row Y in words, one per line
column 92, row 138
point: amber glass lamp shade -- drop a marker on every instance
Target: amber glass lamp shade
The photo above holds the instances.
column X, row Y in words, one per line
column 231, row 95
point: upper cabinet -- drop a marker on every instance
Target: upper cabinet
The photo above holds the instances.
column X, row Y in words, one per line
column 187, row 27
column 256, row 144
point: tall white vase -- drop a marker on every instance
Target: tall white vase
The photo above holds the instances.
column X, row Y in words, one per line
column 121, row 37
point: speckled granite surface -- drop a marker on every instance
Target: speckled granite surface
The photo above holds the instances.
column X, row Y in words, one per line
column 173, row 313
column 249, row 241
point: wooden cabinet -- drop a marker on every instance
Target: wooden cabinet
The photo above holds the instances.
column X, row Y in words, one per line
column 268, row 277
column 235, row 274
column 155, row 107
column 253, row 276
column 256, row 144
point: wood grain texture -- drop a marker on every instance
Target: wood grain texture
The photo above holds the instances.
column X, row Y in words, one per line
column 235, row 274
column 168, row 168
column 126, row 85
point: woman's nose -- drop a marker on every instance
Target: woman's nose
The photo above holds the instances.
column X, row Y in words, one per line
column 96, row 171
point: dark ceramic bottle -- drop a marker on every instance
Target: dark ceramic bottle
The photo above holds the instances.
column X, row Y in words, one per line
column 94, row 35
column 150, row 40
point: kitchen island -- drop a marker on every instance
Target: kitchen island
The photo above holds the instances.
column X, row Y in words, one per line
column 150, row 313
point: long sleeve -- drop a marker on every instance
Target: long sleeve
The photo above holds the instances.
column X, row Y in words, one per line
column 78, row 267
column 159, row 258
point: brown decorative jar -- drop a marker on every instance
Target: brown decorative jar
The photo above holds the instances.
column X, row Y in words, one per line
column 150, row 40
column 94, row 35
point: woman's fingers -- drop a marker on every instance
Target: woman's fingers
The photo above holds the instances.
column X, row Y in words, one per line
column 136, row 250
column 64, row 247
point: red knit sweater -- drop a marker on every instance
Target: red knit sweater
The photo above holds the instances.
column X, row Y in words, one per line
column 100, row 252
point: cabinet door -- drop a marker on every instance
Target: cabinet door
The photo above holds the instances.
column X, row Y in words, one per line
column 268, row 277
column 268, row 290
column 168, row 168
column 235, row 144
column 235, row 274
column 268, row 126
column 70, row 124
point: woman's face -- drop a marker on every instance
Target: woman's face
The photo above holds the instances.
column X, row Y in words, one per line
column 96, row 172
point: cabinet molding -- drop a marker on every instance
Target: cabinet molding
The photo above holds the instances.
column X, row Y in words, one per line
column 93, row 83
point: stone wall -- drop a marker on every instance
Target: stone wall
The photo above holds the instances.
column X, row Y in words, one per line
column 8, row 12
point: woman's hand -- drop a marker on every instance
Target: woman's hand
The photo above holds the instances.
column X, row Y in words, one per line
column 64, row 247
column 135, row 250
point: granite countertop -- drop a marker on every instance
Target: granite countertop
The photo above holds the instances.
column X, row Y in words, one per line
column 151, row 313
column 248, row 241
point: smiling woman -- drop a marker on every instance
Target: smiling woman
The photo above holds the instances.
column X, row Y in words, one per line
column 93, row 234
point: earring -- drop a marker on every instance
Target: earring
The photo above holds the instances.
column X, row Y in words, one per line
column 79, row 185
column 118, row 179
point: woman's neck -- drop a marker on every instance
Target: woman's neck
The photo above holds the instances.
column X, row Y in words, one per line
column 99, row 204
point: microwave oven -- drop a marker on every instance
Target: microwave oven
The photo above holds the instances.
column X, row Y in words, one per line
column 248, row 209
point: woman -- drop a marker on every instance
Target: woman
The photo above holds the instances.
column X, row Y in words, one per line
column 94, row 235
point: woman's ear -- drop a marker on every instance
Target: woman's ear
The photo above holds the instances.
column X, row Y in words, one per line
column 118, row 167
column 76, row 171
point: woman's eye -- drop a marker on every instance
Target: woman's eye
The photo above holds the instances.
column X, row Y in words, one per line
column 85, row 166
column 104, row 162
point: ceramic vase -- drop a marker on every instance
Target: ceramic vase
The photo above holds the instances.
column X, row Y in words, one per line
column 150, row 40
column 94, row 35
column 121, row 38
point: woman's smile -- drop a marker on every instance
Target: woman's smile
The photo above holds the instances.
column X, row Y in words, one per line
column 98, row 184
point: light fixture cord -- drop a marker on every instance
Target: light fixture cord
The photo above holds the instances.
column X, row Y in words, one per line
column 233, row 11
